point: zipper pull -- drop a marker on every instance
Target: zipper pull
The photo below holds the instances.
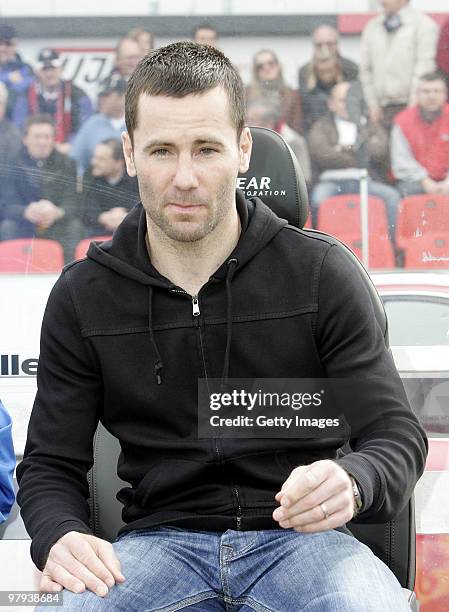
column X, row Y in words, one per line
column 195, row 306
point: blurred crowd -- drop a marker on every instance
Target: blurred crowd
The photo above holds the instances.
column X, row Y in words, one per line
column 62, row 171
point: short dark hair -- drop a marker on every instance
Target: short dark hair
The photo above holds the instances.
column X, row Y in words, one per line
column 180, row 69
column 436, row 75
column 38, row 120
column 115, row 147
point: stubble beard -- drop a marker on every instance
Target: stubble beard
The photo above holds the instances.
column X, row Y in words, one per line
column 179, row 231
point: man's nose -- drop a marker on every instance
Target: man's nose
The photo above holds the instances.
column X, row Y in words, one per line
column 185, row 177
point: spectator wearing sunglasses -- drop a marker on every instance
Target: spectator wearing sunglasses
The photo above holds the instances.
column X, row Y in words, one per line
column 268, row 83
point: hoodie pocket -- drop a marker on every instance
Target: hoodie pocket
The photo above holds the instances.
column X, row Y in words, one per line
column 183, row 485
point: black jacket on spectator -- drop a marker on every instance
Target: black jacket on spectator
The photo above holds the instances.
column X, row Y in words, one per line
column 31, row 180
column 315, row 94
column 99, row 196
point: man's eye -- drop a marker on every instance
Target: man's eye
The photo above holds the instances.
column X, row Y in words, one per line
column 207, row 151
column 160, row 152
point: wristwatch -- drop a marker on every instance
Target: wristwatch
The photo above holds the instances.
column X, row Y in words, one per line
column 358, row 502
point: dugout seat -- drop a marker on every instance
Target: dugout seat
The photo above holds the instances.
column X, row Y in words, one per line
column 420, row 215
column 340, row 217
column 428, row 252
column 394, row 541
column 31, row 256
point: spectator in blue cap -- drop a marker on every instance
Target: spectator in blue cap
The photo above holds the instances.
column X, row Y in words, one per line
column 50, row 94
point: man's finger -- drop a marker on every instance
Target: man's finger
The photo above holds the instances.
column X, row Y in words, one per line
column 107, row 555
column 296, row 517
column 47, row 585
column 293, row 476
column 59, row 574
column 86, row 564
column 78, row 557
column 334, row 520
column 300, row 482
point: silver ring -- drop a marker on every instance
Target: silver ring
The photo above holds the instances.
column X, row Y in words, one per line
column 324, row 510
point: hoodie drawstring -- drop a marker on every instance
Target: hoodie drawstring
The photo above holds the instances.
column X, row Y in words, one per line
column 158, row 364
column 232, row 265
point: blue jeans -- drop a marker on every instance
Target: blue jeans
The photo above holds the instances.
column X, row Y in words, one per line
column 278, row 570
column 409, row 188
column 328, row 189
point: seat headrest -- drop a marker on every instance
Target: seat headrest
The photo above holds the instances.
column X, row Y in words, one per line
column 274, row 175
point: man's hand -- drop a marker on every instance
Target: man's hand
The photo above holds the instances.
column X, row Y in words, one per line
column 32, row 212
column 50, row 213
column 112, row 218
column 78, row 561
column 43, row 213
column 308, row 486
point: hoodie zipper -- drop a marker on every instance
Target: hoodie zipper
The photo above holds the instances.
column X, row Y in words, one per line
column 196, row 313
column 195, row 306
column 195, row 303
column 238, row 517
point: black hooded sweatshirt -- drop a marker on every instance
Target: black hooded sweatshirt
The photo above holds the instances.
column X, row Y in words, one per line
column 121, row 344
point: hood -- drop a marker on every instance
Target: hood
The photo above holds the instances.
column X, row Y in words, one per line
column 127, row 253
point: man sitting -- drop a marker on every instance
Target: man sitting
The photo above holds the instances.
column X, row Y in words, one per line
column 339, row 148
column 108, row 191
column 420, row 140
column 194, row 285
column 41, row 198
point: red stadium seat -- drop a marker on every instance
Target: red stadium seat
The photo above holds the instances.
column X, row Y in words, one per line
column 31, row 255
column 419, row 215
column 427, row 251
column 340, row 215
column 381, row 252
column 83, row 245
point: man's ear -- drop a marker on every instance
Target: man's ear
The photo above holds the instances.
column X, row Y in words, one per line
column 128, row 153
column 245, row 146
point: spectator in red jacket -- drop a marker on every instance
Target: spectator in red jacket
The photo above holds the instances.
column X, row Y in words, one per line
column 420, row 140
